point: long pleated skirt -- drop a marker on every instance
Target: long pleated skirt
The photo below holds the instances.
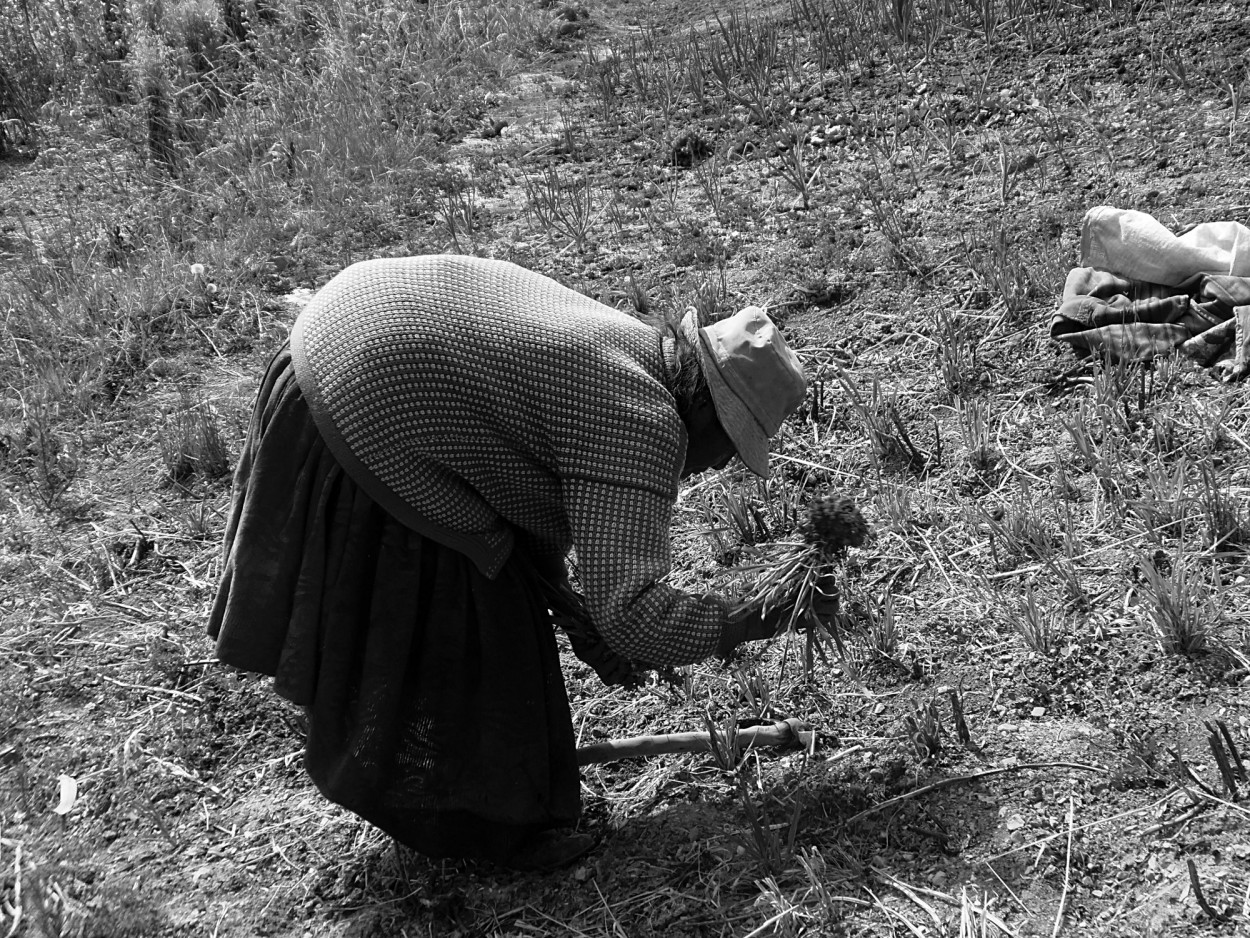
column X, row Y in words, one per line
column 436, row 704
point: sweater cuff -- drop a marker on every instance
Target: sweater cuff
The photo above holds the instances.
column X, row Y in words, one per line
column 733, row 634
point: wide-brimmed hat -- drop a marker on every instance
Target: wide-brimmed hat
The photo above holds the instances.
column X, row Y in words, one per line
column 755, row 378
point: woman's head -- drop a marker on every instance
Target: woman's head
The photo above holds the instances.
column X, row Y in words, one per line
column 755, row 381
column 735, row 381
column 707, row 444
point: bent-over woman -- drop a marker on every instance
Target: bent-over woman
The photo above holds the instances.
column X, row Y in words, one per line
column 436, row 438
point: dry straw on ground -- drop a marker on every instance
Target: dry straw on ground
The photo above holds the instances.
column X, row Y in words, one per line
column 1059, row 544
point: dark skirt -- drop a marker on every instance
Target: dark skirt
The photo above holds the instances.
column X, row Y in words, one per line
column 436, row 704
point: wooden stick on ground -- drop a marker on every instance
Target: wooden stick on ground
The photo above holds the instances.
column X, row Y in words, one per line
column 785, row 733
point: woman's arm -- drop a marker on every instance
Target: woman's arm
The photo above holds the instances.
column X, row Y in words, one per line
column 621, row 536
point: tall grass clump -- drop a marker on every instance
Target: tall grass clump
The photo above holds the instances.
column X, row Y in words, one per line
column 1225, row 525
column 355, row 101
column 292, row 135
column 154, row 89
column 1181, row 605
column 955, row 336
column 42, row 49
column 191, row 442
column 80, row 331
column 1038, row 626
column 891, row 436
column 34, row 451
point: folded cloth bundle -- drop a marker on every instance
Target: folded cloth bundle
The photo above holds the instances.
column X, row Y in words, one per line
column 1141, row 291
column 1138, row 247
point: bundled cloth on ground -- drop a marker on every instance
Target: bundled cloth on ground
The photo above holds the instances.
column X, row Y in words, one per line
column 1142, row 291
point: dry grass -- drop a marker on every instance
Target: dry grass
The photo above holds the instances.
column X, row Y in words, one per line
column 901, row 184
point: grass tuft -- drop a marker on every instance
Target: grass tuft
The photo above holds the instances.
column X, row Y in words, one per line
column 192, row 445
column 924, row 730
column 890, row 434
column 1038, row 626
column 35, row 450
column 1181, row 604
column 1225, row 524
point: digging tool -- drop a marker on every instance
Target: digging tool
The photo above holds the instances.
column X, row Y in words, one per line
column 790, row 733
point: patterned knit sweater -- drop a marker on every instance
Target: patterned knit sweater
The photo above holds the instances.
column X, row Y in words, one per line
column 485, row 405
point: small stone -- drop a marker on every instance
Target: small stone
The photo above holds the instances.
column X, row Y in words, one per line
column 1038, row 712
column 1015, row 822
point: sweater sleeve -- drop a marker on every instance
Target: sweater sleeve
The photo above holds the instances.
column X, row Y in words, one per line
column 621, row 536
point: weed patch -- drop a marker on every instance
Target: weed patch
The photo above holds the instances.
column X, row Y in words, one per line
column 1025, row 689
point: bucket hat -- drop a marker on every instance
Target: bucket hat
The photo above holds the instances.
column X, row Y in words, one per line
column 755, row 379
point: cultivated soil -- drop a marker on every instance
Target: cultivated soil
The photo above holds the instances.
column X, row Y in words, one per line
column 147, row 791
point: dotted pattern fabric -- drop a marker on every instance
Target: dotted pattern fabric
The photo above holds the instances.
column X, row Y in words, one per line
column 485, row 405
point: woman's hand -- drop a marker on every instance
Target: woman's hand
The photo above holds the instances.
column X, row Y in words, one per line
column 748, row 624
column 568, row 611
column 613, row 669
column 751, row 625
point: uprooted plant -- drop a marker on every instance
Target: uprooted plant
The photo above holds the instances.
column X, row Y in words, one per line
column 801, row 577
